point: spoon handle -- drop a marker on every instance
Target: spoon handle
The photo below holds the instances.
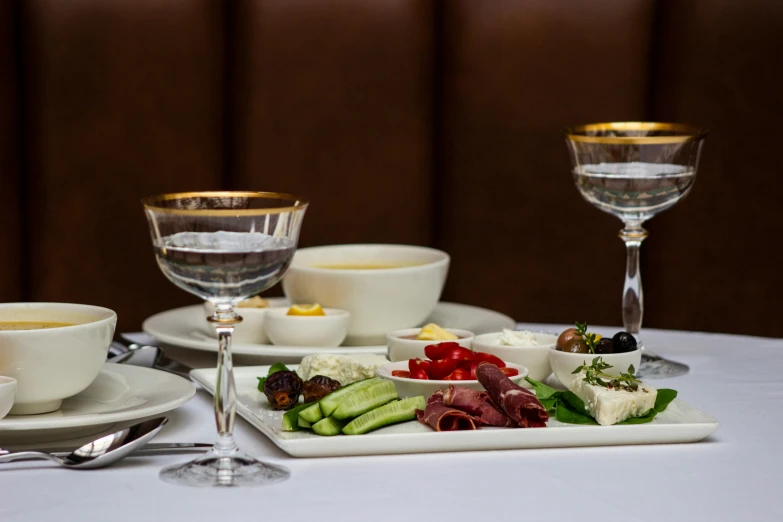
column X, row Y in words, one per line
column 27, row 455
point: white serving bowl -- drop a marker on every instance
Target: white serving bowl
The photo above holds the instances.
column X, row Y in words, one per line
column 307, row 330
column 7, row 393
column 380, row 300
column 534, row 358
column 53, row 364
column 415, row 387
column 402, row 349
column 564, row 363
column 250, row 331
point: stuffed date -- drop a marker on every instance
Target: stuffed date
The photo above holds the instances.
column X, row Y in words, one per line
column 318, row 387
column 282, row 389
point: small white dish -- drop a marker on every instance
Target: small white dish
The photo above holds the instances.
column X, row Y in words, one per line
column 307, row 330
column 250, row 331
column 534, row 358
column 564, row 363
column 415, row 387
column 402, row 347
column 7, row 393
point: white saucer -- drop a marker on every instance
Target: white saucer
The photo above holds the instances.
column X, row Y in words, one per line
column 186, row 327
column 119, row 393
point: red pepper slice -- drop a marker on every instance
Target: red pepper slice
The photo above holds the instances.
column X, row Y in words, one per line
column 472, row 370
column 418, row 373
column 401, row 373
column 509, row 372
column 459, row 353
column 438, row 351
column 416, row 364
column 459, row 374
column 494, row 359
column 440, row 369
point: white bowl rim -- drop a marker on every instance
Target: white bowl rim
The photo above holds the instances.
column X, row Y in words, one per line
column 481, row 340
column 398, row 334
column 5, row 381
column 112, row 315
column 277, row 311
column 568, row 354
column 523, row 372
column 444, row 259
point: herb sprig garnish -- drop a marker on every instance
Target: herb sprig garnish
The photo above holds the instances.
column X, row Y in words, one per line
column 589, row 338
column 594, row 374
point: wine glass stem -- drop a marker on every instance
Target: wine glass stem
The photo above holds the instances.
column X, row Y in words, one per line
column 633, row 300
column 225, row 391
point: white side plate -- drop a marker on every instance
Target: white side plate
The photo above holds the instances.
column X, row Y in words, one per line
column 186, row 327
column 119, row 393
column 679, row 423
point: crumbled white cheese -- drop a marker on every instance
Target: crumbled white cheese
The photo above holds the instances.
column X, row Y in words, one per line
column 524, row 338
column 343, row 368
column 610, row 406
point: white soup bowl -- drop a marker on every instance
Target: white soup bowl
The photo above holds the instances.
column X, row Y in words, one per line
column 53, row 364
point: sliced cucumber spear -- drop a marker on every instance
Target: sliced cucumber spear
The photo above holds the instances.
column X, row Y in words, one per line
column 329, row 426
column 365, row 400
column 330, row 403
column 312, row 413
column 303, row 423
column 291, row 417
column 392, row 413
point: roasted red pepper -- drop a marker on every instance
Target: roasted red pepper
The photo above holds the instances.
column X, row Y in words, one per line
column 483, row 356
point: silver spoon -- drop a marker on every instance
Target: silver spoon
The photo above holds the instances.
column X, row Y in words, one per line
column 100, row 452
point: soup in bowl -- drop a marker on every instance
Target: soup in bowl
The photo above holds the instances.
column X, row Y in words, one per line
column 53, row 350
column 384, row 287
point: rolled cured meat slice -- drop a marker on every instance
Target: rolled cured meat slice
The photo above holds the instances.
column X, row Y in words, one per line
column 478, row 404
column 518, row 403
column 442, row 418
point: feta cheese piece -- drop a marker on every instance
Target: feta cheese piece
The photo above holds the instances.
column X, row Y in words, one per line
column 523, row 338
column 610, row 406
column 343, row 368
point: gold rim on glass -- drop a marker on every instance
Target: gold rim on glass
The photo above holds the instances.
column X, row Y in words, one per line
column 677, row 133
column 154, row 203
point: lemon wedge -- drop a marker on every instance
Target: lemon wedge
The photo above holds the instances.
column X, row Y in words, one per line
column 433, row 332
column 306, row 309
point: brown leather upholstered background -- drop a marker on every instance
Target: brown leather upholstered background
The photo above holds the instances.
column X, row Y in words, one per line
column 412, row 121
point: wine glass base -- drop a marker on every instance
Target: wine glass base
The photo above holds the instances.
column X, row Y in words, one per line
column 215, row 470
column 655, row 367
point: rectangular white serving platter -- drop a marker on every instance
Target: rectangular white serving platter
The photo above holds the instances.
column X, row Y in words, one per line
column 679, row 423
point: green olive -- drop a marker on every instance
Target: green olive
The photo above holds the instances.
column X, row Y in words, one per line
column 566, row 336
column 575, row 345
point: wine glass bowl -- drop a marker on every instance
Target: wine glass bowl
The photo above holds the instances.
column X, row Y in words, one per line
column 634, row 170
column 224, row 247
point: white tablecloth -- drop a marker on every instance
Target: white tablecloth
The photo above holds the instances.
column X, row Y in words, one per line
column 734, row 475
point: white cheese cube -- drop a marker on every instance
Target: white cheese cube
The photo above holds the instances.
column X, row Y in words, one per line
column 610, row 406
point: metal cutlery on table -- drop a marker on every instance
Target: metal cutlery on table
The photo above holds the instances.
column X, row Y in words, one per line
column 125, row 351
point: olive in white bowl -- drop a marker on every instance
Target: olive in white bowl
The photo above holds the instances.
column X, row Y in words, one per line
column 407, row 387
column 534, row 357
column 564, row 363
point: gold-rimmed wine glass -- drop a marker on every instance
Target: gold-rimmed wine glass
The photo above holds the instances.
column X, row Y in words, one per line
column 633, row 170
column 224, row 247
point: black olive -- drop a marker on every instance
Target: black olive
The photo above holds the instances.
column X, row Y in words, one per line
column 318, row 387
column 604, row 345
column 282, row 390
column 623, row 342
column 575, row 345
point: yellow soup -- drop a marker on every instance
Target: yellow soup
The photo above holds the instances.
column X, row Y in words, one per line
column 368, row 266
column 31, row 325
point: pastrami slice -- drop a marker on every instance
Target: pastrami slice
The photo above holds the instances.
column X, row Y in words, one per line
column 477, row 404
column 518, row 403
column 442, row 418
